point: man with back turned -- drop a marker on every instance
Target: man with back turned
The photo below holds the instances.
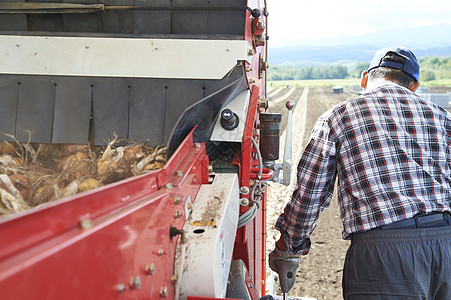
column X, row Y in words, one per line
column 390, row 151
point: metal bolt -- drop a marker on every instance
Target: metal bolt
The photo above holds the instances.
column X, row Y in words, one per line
column 135, row 282
column 177, row 200
column 250, row 52
column 174, row 279
column 248, row 69
column 169, row 185
column 179, row 173
column 160, row 252
column 251, row 80
column 163, row 292
column 198, row 145
column 150, row 269
column 244, row 190
column 210, row 168
column 177, row 214
column 244, row 202
column 260, row 24
column 86, row 224
column 120, row 287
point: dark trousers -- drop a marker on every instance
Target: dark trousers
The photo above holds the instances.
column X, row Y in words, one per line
column 399, row 264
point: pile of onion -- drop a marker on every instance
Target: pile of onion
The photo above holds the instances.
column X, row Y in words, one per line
column 32, row 174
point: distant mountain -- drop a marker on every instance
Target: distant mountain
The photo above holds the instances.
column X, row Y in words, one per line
column 424, row 41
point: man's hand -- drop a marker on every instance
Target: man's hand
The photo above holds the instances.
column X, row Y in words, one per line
column 278, row 256
column 285, row 264
column 281, row 253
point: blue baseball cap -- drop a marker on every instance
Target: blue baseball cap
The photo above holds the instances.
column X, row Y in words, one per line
column 411, row 65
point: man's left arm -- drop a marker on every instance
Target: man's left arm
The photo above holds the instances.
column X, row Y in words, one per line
column 313, row 192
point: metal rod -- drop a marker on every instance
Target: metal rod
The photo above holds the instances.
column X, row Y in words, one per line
column 288, row 143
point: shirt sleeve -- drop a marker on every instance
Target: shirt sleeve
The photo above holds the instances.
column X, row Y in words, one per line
column 315, row 184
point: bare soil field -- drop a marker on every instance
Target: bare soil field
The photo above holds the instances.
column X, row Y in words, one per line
column 320, row 272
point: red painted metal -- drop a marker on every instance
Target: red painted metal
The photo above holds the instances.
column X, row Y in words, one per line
column 250, row 240
column 115, row 242
column 250, row 243
column 110, row 243
column 266, row 174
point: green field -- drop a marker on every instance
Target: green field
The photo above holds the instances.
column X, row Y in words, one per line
column 343, row 82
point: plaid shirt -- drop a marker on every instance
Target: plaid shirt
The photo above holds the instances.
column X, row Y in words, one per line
column 391, row 151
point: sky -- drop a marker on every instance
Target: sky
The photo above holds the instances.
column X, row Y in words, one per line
column 294, row 22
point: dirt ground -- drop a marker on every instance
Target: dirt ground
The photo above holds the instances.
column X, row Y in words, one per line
column 320, row 272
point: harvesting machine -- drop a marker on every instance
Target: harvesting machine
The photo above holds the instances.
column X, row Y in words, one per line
column 187, row 74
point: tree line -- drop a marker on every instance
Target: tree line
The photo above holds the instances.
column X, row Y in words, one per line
column 431, row 68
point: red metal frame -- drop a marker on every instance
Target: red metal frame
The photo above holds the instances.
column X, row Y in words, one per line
column 250, row 242
column 115, row 242
column 110, row 243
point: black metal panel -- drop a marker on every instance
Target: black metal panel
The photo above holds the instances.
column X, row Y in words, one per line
column 45, row 22
column 58, row 109
column 35, row 109
column 190, row 21
column 110, row 109
column 13, row 22
column 153, row 21
column 186, row 17
column 117, row 21
column 180, row 95
column 226, row 21
column 8, row 105
column 72, row 110
column 147, row 111
column 82, row 22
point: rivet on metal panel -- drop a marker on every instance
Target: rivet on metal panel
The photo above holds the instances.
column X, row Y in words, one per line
column 177, row 214
column 250, row 52
column 251, row 80
column 179, row 173
column 197, row 145
column 160, row 252
column 244, row 190
column 174, row 279
column 135, row 282
column 177, row 200
column 86, row 224
column 169, row 185
column 120, row 287
column 248, row 69
column 163, row 292
column 210, row 168
column 150, row 269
